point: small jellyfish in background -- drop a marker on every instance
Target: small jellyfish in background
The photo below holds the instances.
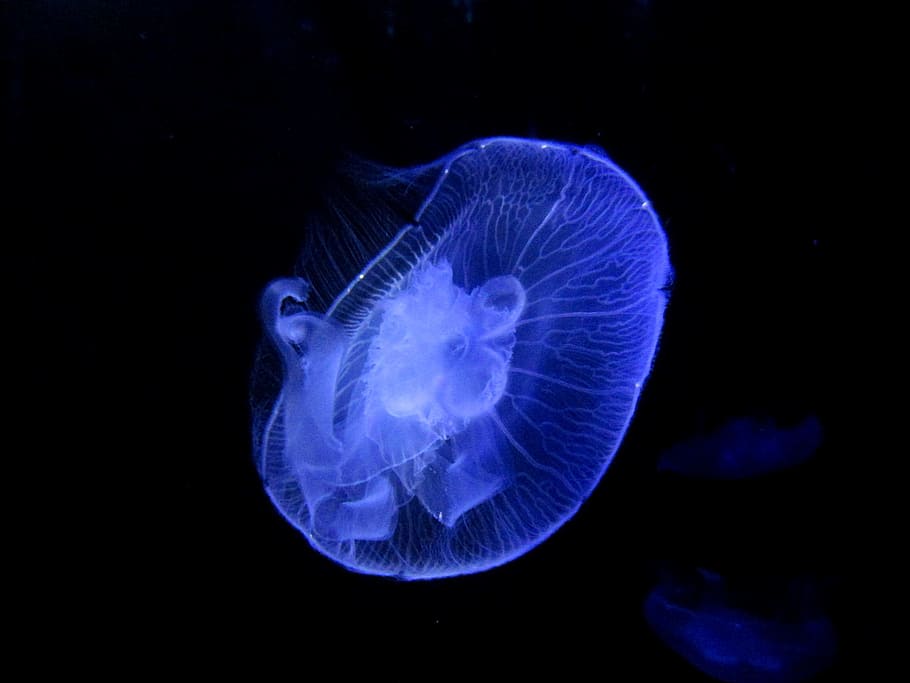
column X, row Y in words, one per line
column 753, row 634
column 744, row 447
column 441, row 403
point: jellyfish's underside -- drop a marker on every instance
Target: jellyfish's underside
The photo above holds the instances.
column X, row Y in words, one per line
column 464, row 394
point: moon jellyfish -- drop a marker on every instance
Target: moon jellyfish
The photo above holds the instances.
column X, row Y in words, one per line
column 744, row 447
column 765, row 634
column 453, row 402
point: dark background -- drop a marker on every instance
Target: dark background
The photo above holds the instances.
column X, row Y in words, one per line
column 164, row 158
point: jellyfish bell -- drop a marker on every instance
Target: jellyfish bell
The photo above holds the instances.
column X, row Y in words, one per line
column 441, row 392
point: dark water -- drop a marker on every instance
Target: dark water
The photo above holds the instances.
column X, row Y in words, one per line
column 167, row 154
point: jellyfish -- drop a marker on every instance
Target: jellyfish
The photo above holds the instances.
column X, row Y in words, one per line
column 744, row 447
column 757, row 633
column 452, row 404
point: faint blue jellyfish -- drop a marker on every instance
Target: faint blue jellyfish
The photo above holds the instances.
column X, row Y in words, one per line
column 744, row 447
column 764, row 634
column 446, row 399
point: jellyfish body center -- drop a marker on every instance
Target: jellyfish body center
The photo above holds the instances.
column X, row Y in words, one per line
column 441, row 356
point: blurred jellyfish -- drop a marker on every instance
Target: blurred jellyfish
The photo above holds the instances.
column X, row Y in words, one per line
column 758, row 633
column 452, row 404
column 744, row 447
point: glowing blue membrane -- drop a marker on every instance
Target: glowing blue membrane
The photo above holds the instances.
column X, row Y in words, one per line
column 744, row 447
column 763, row 634
column 474, row 374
